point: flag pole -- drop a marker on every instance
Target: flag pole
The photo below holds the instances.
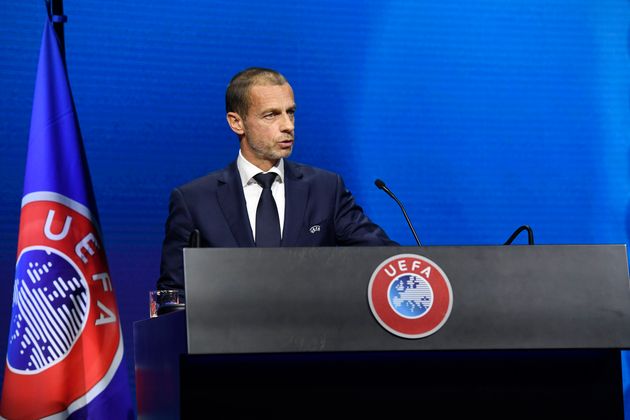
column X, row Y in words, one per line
column 56, row 16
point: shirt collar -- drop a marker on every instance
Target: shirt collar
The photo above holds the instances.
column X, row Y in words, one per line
column 247, row 170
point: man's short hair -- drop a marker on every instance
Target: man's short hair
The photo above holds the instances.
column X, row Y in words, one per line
column 237, row 93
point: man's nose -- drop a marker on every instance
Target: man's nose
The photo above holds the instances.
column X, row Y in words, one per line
column 287, row 124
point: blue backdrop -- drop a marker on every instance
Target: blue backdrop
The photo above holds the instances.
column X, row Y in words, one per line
column 481, row 116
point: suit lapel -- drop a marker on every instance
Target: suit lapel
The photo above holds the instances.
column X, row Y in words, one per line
column 232, row 202
column 295, row 198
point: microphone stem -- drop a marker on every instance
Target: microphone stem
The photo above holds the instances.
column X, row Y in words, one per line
column 413, row 231
column 381, row 186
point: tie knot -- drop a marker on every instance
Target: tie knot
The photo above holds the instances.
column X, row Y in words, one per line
column 265, row 180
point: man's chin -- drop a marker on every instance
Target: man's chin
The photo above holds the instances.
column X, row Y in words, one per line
column 285, row 153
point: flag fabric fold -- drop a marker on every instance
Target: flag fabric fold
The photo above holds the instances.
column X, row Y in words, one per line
column 65, row 355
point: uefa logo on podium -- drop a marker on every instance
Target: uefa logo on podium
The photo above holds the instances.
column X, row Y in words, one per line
column 410, row 296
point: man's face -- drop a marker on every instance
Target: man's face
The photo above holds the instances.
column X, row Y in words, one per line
column 268, row 128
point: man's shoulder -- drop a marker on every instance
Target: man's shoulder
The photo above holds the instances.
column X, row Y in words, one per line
column 300, row 170
column 210, row 180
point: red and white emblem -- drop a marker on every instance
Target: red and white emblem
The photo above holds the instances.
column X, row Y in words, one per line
column 65, row 339
column 410, row 296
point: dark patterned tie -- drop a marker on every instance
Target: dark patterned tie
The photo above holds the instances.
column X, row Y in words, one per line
column 267, row 221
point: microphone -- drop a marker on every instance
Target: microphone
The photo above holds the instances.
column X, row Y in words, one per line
column 530, row 235
column 381, row 186
column 194, row 239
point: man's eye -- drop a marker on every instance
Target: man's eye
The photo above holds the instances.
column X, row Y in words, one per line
column 269, row 116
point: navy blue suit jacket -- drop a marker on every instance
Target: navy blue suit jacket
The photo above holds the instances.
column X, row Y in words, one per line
column 319, row 211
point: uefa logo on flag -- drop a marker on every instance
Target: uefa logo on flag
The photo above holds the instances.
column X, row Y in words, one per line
column 64, row 321
column 410, row 296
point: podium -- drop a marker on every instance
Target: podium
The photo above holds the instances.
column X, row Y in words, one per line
column 534, row 331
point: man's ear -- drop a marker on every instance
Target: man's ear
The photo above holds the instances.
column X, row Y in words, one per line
column 235, row 122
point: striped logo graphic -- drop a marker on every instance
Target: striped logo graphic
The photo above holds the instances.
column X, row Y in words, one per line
column 53, row 300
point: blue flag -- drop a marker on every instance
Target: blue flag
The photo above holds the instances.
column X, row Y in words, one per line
column 65, row 355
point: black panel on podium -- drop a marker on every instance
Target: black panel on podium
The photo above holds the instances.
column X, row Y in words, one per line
column 534, row 331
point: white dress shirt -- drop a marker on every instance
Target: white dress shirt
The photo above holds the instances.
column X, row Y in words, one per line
column 252, row 190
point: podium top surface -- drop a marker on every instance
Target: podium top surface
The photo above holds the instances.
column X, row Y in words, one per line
column 257, row 300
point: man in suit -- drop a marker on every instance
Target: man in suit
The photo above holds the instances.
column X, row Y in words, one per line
column 298, row 205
